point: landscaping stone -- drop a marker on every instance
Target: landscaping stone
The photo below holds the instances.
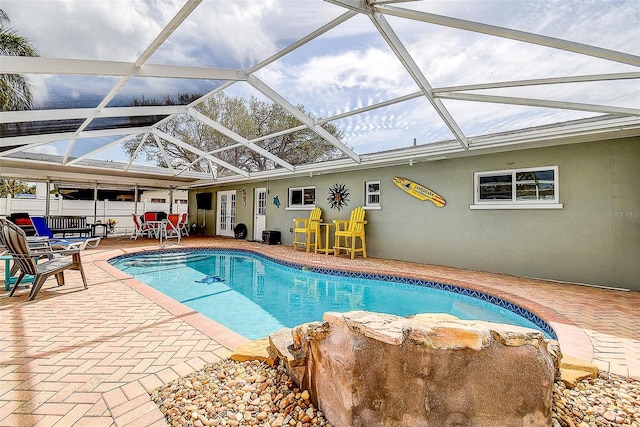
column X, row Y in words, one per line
column 253, row 350
column 254, row 393
column 372, row 369
column 582, row 406
column 574, row 370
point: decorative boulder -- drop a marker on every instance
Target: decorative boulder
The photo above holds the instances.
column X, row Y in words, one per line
column 371, row 369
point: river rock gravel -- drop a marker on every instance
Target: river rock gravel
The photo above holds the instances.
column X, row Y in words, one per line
column 230, row 393
column 609, row 400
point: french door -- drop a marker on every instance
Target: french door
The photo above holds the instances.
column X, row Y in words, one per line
column 226, row 213
column 260, row 209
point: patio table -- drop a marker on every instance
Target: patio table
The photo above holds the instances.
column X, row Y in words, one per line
column 8, row 279
column 327, row 235
column 96, row 225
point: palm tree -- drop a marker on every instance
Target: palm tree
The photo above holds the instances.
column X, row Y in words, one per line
column 15, row 93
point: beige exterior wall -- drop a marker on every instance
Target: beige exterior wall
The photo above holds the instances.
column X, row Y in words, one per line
column 594, row 239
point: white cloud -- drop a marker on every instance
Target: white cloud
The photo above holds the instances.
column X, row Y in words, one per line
column 107, row 30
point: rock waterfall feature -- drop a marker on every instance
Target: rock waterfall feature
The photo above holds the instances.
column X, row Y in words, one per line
column 372, row 369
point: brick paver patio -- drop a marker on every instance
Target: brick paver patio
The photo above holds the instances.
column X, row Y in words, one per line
column 88, row 358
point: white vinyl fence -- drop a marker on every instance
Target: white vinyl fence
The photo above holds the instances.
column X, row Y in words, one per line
column 98, row 212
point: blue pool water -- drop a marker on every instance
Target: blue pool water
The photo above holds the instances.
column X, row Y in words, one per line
column 255, row 296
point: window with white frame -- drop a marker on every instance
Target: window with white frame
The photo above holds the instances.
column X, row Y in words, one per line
column 372, row 194
column 302, row 197
column 517, row 189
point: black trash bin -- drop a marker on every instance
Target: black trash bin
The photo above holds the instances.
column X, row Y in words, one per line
column 240, row 231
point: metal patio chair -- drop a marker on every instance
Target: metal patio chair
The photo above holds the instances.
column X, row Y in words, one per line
column 169, row 230
column 142, row 228
column 183, row 224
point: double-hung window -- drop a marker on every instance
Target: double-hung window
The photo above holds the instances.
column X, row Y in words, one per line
column 531, row 188
column 302, row 197
column 372, row 194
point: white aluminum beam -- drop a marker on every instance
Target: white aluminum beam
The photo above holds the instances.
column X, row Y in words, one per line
column 19, row 168
column 282, row 132
column 234, row 136
column 83, row 113
column 29, row 65
column 508, row 33
column 544, row 81
column 372, row 107
column 137, row 151
column 412, row 68
column 306, row 39
column 175, row 22
column 218, row 150
column 199, row 152
column 155, row 44
column 20, row 148
column 164, row 154
column 587, row 130
column 68, row 152
column 334, row 23
column 212, row 169
column 97, row 150
column 532, row 102
column 52, row 137
column 275, row 97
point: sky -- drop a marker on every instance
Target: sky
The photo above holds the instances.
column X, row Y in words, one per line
column 347, row 68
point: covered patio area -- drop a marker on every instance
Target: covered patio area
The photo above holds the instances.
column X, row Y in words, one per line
column 88, row 358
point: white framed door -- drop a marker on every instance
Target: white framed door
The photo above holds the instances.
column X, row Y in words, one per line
column 260, row 213
column 226, row 213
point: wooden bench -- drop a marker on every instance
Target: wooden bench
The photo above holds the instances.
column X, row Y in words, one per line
column 69, row 224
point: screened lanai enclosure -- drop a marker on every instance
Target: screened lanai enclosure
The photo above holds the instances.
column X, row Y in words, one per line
column 181, row 94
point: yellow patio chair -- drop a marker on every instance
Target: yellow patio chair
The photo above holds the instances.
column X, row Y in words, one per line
column 307, row 227
column 349, row 230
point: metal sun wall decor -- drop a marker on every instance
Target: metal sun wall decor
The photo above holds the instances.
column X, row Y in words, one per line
column 338, row 194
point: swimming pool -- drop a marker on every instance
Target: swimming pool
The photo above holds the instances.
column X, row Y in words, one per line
column 255, row 295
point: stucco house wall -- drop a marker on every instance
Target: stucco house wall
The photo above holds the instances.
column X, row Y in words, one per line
column 594, row 238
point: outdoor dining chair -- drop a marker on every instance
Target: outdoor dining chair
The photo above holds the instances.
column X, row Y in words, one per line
column 15, row 240
column 349, row 231
column 169, row 230
column 174, row 219
column 307, row 228
column 141, row 228
column 183, row 224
